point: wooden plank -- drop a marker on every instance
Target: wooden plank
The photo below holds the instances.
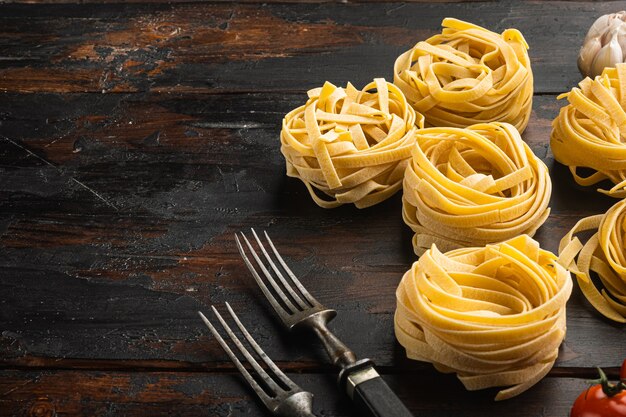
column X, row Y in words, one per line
column 118, row 213
column 214, row 48
column 253, row 1
column 220, row 395
column 225, row 1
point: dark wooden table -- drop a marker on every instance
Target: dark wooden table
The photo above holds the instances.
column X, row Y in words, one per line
column 135, row 139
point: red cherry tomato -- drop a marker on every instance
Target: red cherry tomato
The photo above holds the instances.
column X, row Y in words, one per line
column 593, row 402
column 622, row 372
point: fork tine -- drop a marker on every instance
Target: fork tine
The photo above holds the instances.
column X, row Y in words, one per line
column 255, row 365
column 301, row 303
column 282, row 313
column 268, row 361
column 269, row 277
column 244, row 372
column 296, row 281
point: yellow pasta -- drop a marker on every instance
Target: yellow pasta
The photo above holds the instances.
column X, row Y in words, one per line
column 468, row 75
column 494, row 315
column 590, row 132
column 605, row 254
column 350, row 145
column 473, row 186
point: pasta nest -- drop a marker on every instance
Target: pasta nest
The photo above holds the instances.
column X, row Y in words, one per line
column 605, row 254
column 350, row 145
column 494, row 315
column 473, row 186
column 591, row 130
column 468, row 75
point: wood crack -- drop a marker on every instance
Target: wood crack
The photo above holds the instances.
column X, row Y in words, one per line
column 58, row 170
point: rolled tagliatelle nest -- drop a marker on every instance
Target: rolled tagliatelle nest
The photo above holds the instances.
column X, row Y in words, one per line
column 494, row 315
column 605, row 255
column 590, row 132
column 468, row 75
column 350, row 145
column 473, row 186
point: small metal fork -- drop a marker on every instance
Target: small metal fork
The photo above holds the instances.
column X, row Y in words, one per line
column 291, row 401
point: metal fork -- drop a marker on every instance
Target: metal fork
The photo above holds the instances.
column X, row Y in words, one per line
column 291, row 401
column 298, row 309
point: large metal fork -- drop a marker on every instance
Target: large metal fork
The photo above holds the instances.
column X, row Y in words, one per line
column 280, row 395
column 297, row 308
column 300, row 308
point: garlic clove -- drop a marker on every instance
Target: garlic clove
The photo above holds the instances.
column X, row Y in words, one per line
column 607, row 56
column 621, row 38
column 599, row 26
column 588, row 52
column 615, row 26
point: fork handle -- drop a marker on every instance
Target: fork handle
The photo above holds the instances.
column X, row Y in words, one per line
column 372, row 396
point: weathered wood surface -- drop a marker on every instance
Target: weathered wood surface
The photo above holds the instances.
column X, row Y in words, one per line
column 259, row 47
column 136, row 139
column 51, row 393
column 131, row 209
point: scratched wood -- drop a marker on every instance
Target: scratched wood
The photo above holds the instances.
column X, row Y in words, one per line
column 255, row 1
column 225, row 1
column 130, row 202
column 212, row 47
column 135, row 139
column 50, row 393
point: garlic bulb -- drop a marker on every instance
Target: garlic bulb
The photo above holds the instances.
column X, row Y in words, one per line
column 604, row 45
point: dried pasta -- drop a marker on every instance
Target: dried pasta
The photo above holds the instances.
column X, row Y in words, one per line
column 350, row 145
column 591, row 130
column 468, row 75
column 494, row 315
column 605, row 254
column 473, row 186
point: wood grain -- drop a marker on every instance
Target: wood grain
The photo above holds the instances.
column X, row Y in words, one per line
column 213, row 47
column 129, row 202
column 52, row 393
column 137, row 138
